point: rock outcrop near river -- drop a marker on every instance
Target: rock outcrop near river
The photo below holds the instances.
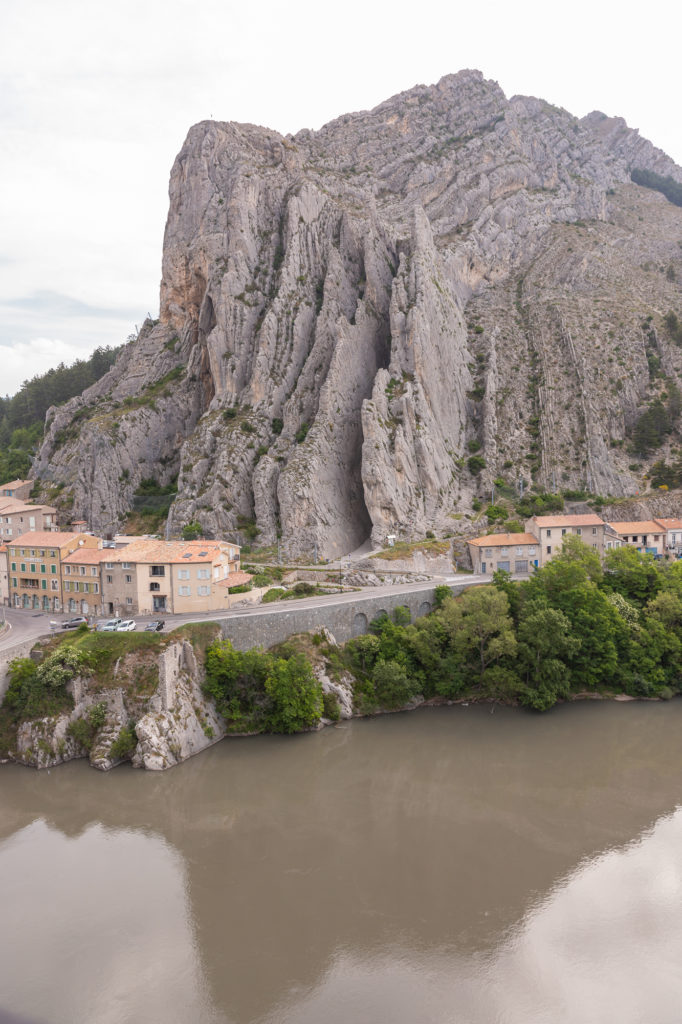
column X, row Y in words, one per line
column 348, row 314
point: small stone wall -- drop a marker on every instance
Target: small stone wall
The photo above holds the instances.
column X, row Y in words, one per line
column 345, row 619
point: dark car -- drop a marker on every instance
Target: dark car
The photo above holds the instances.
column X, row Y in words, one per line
column 75, row 623
column 154, row 627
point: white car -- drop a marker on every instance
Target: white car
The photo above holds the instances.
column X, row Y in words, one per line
column 127, row 626
column 110, row 626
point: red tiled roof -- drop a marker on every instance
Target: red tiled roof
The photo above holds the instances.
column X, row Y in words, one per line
column 235, row 579
column 589, row 519
column 643, row 526
column 177, row 551
column 494, row 540
column 45, row 539
column 87, row 556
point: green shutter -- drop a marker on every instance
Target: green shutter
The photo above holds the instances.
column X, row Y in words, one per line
column 43, row 584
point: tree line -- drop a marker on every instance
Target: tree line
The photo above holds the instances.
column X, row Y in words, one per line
column 575, row 626
column 22, row 416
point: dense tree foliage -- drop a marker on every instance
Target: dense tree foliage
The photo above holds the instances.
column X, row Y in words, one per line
column 22, row 416
column 671, row 189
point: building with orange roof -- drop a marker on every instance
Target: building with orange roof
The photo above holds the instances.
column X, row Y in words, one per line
column 673, row 534
column 82, row 580
column 35, row 574
column 155, row 577
column 18, row 517
column 511, row 552
column 646, row 535
column 550, row 532
column 20, row 489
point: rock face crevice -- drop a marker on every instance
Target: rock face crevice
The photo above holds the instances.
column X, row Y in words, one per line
column 346, row 314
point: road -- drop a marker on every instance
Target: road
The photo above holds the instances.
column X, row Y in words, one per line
column 26, row 624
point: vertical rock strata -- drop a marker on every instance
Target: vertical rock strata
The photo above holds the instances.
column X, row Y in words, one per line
column 346, row 314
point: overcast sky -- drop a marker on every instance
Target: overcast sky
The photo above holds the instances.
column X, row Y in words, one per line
column 96, row 99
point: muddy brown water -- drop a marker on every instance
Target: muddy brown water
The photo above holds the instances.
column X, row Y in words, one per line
column 446, row 866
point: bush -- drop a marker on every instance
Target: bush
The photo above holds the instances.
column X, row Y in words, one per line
column 391, row 685
column 475, row 463
column 124, row 745
column 192, row 531
column 330, row 707
column 301, row 433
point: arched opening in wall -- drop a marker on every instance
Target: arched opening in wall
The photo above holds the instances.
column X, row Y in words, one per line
column 377, row 620
column 360, row 624
column 424, row 608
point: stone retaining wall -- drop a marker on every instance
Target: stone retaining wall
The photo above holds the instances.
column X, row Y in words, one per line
column 345, row 620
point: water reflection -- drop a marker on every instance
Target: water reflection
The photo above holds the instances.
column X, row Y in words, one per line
column 605, row 945
column 97, row 929
column 378, row 871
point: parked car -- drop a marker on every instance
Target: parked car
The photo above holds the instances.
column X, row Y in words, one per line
column 74, row 623
column 109, row 626
column 127, row 626
column 154, row 627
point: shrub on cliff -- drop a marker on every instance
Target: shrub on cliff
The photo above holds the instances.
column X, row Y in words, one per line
column 295, row 695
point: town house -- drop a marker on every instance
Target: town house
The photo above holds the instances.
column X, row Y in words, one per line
column 512, row 552
column 35, row 573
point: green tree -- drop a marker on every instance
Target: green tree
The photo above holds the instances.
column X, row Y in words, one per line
column 295, row 695
column 634, row 575
column 480, row 627
column 545, row 643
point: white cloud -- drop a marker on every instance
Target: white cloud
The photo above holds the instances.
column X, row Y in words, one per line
column 95, row 101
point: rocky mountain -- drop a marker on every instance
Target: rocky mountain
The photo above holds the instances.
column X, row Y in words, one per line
column 362, row 327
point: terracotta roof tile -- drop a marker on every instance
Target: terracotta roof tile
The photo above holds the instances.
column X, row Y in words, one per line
column 589, row 519
column 643, row 526
column 163, row 552
column 45, row 539
column 235, row 579
column 87, row 556
column 494, row 540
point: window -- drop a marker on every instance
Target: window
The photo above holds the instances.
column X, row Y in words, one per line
column 108, row 565
column 549, row 549
column 43, row 584
column 14, row 566
column 594, row 531
column 125, row 565
column 563, row 532
column 53, row 554
column 54, row 584
column 155, row 586
column 129, row 578
column 110, row 579
column 482, row 566
column 23, row 566
column 183, row 574
column 14, row 581
column 129, row 601
column 579, row 532
column 43, row 568
column 82, row 570
column 157, row 570
column 53, row 568
column 67, row 585
column 531, row 550
column 549, row 533
column 203, row 591
column 488, row 552
column 93, row 571
column 95, row 588
column 203, row 574
column 33, row 567
column 67, row 570
column 184, row 591
column 519, row 551
column 505, row 551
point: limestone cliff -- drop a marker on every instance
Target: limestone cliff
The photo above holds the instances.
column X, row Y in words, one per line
column 347, row 314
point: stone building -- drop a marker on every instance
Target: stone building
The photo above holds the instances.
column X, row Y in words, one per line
column 82, row 580
column 153, row 577
column 35, row 573
column 512, row 552
column 18, row 517
column 19, row 489
column 647, row 535
column 550, row 532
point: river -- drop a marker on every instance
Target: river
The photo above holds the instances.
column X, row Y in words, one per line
column 462, row 865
